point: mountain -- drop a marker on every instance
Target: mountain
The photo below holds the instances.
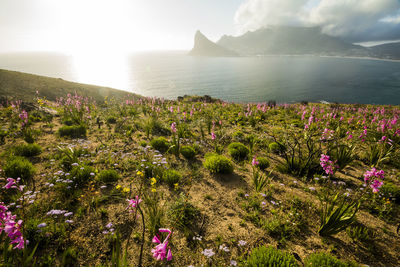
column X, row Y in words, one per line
column 390, row 51
column 205, row 47
column 285, row 40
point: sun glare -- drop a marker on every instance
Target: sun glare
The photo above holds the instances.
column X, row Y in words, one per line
column 107, row 70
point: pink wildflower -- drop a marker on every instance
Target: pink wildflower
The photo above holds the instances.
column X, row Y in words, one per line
column 255, row 162
column 213, row 136
column 134, row 202
column 376, row 184
column 326, row 164
column 374, row 173
column 160, row 251
column 173, row 127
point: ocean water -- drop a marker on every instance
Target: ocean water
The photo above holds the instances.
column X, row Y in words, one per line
column 244, row 79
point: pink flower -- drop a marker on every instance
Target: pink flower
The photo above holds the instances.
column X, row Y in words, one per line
column 134, row 202
column 10, row 183
column 327, row 164
column 160, row 251
column 169, row 255
column 12, row 228
column 173, row 127
column 376, row 185
column 254, row 162
column 374, row 173
column 213, row 136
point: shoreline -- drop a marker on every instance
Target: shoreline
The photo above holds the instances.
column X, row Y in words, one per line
column 327, row 56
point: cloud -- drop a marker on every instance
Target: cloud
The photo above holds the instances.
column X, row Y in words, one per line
column 354, row 20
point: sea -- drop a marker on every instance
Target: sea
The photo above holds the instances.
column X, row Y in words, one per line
column 284, row 79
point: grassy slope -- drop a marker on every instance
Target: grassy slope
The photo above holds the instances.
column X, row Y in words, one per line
column 220, row 199
column 23, row 86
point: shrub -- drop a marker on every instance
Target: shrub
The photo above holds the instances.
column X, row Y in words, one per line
column 27, row 150
column 152, row 170
column 81, row 174
column 19, row 168
column 277, row 148
column 269, row 256
column 28, row 135
column 143, row 143
column 263, row 163
column 171, row 177
column 184, row 215
column 358, row 232
column 70, row 155
column 188, row 152
column 108, row 176
column 325, row 260
column 73, row 131
column 111, row 120
column 238, row 151
column 218, row 164
column 161, row 144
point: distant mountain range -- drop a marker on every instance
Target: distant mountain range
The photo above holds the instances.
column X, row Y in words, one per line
column 285, row 40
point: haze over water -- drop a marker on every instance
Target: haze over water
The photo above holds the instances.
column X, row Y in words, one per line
column 243, row 79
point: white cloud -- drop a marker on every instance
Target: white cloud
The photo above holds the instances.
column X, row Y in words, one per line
column 351, row 19
column 254, row 14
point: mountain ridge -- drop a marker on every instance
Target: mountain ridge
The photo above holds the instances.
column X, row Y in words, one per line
column 288, row 40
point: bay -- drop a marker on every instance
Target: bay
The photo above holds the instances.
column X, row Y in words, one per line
column 284, row 79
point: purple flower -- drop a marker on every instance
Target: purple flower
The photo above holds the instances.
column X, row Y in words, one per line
column 41, row 225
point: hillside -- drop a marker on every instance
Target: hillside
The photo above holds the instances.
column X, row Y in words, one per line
column 23, row 86
column 391, row 50
column 194, row 183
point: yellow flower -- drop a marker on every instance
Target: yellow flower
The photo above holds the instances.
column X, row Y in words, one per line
column 176, row 186
column 118, row 187
column 139, row 173
column 153, row 190
column 126, row 190
column 153, row 181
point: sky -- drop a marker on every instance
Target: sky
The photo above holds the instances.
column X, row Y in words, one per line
column 82, row 26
